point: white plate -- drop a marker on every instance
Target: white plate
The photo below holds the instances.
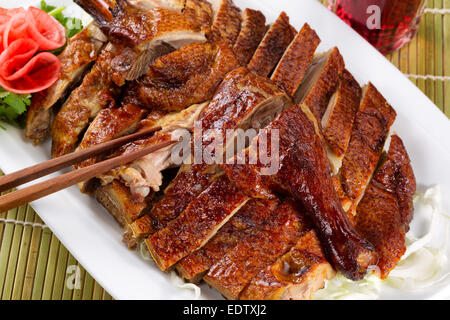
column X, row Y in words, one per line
column 94, row 238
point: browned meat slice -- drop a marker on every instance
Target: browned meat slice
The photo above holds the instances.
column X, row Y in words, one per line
column 95, row 93
column 370, row 131
column 145, row 173
column 385, row 211
column 273, row 46
column 177, row 5
column 81, row 51
column 226, row 22
column 289, row 73
column 295, row 276
column 248, row 221
column 303, row 173
column 185, row 77
column 145, row 32
column 109, row 124
column 190, row 182
column 320, row 82
column 199, row 11
column 243, row 101
column 197, row 224
column 252, row 32
column 116, row 198
column 236, row 269
column 337, row 122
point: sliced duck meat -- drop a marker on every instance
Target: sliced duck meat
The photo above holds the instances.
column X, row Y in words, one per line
column 185, row 77
column 337, row 122
column 145, row 32
column 236, row 269
column 252, row 218
column 303, row 172
column 385, row 211
column 94, row 94
column 295, row 276
column 292, row 68
column 226, row 22
column 109, row 124
column 370, row 131
column 81, row 51
column 201, row 12
column 117, row 199
column 273, row 46
column 320, row 82
column 252, row 32
column 242, row 101
column 197, row 224
column 177, row 5
column 145, row 174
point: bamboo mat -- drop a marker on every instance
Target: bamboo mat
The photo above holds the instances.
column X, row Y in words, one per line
column 35, row 265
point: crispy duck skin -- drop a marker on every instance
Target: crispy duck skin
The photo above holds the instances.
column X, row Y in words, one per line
column 248, row 221
column 190, row 182
column 236, row 269
column 226, row 22
column 295, row 276
column 337, row 122
column 320, row 82
column 109, row 124
column 252, row 32
column 292, row 68
column 197, row 224
column 117, row 199
column 243, row 100
column 145, row 173
column 201, row 12
column 95, row 93
column 81, row 51
column 370, row 131
column 305, row 175
column 185, row 77
column 148, row 34
column 273, row 46
column 385, row 211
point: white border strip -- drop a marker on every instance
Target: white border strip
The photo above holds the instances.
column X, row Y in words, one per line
column 24, row 223
column 428, row 77
column 437, row 11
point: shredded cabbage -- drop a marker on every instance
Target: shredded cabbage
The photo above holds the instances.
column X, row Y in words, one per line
column 173, row 277
column 421, row 267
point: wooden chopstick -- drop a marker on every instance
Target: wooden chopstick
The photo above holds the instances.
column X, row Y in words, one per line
column 42, row 189
column 42, row 169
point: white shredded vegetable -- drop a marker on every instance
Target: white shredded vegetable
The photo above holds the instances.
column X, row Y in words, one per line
column 173, row 277
column 421, row 267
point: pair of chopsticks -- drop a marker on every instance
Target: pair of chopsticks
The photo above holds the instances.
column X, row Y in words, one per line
column 45, row 188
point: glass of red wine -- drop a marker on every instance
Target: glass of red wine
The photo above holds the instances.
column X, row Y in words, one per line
column 386, row 24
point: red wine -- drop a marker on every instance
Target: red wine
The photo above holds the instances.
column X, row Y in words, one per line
column 386, row 24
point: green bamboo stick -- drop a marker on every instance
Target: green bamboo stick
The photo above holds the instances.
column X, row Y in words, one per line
column 88, row 287
column 41, row 265
column 68, row 292
column 51, row 268
column 77, row 292
column 106, row 295
column 421, row 56
column 429, row 52
column 438, row 56
column 446, row 31
column 23, row 255
column 33, row 254
column 97, row 292
column 60, row 273
column 5, row 247
column 13, row 255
